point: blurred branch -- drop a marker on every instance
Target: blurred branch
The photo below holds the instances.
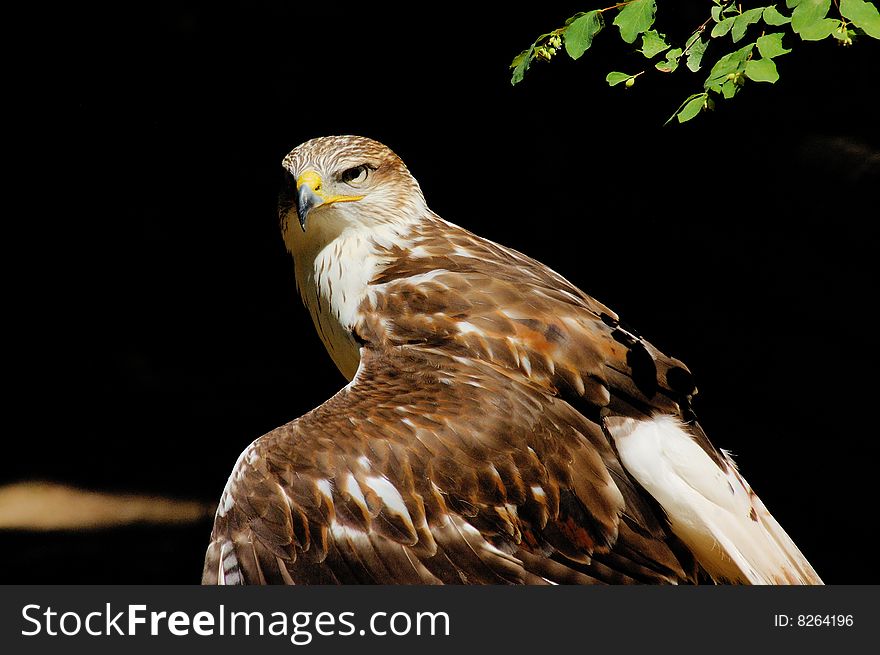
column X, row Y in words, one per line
column 51, row 506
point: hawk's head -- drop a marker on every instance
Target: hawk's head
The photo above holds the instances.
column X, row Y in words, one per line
column 337, row 182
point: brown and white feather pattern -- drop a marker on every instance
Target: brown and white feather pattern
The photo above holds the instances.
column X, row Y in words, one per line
column 500, row 426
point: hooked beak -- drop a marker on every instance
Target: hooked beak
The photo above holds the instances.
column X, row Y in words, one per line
column 309, row 195
column 306, row 200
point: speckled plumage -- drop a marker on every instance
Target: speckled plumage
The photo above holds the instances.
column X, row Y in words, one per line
column 483, row 435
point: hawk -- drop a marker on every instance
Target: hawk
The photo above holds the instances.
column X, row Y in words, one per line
column 499, row 425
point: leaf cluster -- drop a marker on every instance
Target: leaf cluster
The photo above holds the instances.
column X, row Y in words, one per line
column 763, row 30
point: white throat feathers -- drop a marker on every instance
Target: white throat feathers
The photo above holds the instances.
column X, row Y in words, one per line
column 335, row 260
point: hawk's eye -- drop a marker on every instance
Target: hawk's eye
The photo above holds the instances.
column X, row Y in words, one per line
column 356, row 175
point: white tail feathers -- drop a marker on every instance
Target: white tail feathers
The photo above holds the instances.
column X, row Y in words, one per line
column 712, row 510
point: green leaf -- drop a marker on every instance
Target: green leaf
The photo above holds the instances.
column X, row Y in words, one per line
column 671, row 62
column 863, row 15
column 808, row 19
column 723, row 27
column 729, row 89
column 733, row 62
column 695, row 54
column 741, row 23
column 702, row 97
column 820, row 30
column 580, row 33
column 770, row 45
column 614, row 78
column 520, row 64
column 807, row 11
column 773, row 17
column 762, row 70
column 691, row 108
column 635, row 18
column 653, row 43
column 716, row 13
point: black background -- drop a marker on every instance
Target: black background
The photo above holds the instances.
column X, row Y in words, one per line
column 159, row 327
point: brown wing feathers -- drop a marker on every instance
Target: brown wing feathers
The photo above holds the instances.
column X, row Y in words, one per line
column 458, row 492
